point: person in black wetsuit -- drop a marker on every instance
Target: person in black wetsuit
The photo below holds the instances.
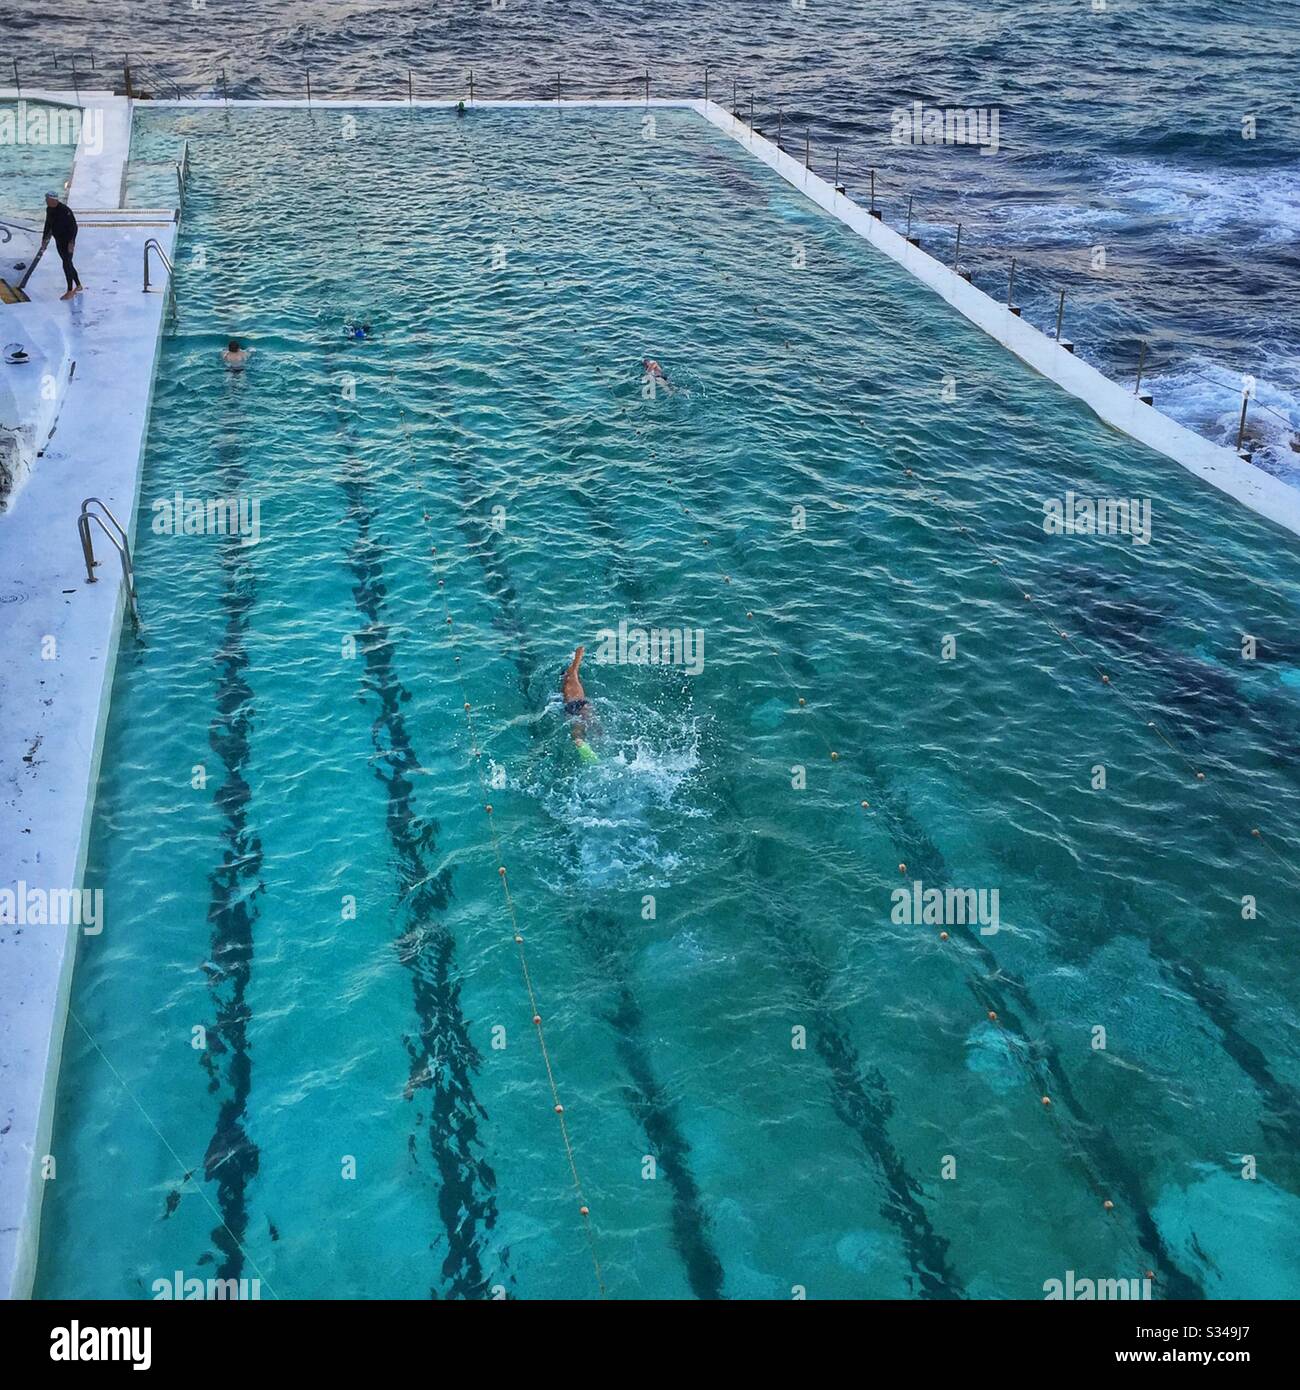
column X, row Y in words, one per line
column 62, row 226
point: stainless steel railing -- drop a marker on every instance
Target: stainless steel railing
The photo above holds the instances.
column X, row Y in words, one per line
column 154, row 244
column 182, row 176
column 114, row 530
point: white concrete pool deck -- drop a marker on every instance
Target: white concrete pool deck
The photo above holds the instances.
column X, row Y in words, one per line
column 61, row 634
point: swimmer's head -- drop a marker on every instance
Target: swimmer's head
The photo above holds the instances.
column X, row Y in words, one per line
column 233, row 346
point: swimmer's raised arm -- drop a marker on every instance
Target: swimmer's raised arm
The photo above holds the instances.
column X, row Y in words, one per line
column 570, row 684
column 655, row 373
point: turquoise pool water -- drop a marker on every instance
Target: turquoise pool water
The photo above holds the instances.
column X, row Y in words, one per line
column 770, row 1085
column 35, row 156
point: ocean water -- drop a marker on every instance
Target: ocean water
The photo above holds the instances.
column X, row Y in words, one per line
column 302, row 1050
column 1120, row 129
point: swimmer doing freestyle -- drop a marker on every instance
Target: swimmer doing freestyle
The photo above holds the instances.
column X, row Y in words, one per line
column 577, row 706
column 654, row 375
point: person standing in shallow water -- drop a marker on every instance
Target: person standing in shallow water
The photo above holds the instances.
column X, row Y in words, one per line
column 62, row 226
column 234, row 356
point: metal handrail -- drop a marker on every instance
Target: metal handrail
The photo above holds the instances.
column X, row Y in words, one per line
column 166, row 260
column 104, row 507
column 151, row 74
column 171, row 275
column 102, row 518
column 182, row 174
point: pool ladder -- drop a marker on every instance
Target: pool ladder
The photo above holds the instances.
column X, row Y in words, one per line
column 171, row 276
column 104, row 518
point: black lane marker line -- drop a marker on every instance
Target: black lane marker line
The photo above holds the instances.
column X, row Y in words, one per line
column 232, row 1158
column 860, row 1094
column 1095, row 1143
column 442, row 1054
column 863, row 1104
column 604, row 938
column 647, row 1098
column 859, row 1104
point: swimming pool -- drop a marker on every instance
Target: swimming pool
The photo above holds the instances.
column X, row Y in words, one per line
column 300, row 1051
column 37, row 144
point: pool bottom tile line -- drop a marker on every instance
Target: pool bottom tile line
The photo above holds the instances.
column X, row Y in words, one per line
column 185, row 1172
column 442, row 1055
column 1176, row 1280
column 232, row 1158
column 855, row 1104
column 475, row 753
column 651, row 1107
